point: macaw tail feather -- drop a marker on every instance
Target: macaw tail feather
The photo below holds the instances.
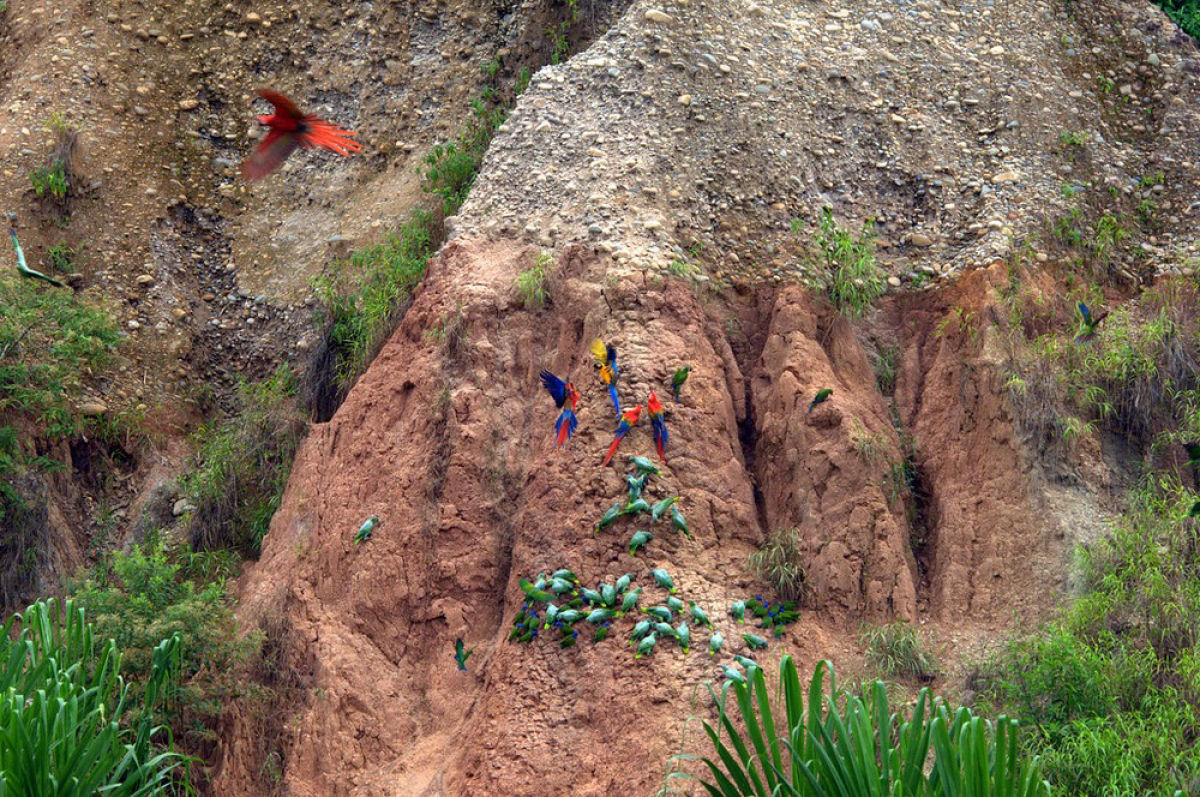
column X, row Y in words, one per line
column 612, row 449
column 322, row 134
column 565, row 427
column 612, row 393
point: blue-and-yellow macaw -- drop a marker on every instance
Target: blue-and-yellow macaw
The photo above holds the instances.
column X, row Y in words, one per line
column 606, row 367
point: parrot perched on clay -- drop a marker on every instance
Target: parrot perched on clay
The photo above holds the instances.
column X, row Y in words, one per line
column 635, row 485
column 661, row 613
column 738, row 610
column 566, row 398
column 714, row 643
column 608, row 517
column 684, row 635
column 290, row 128
column 606, row 368
column 364, row 531
column 822, row 396
column 644, row 465
column 655, row 408
column 657, row 511
column 629, row 602
column 700, row 616
column 461, row 656
column 754, row 641
column 640, row 630
column 733, row 674
column 663, row 579
column 645, row 646
column 674, row 604
column 624, row 581
column 677, row 379
column 629, row 419
column 639, row 540
column 678, row 522
column 1087, row 329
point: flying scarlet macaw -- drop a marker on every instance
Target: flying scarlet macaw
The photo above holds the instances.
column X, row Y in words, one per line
column 606, row 366
column 655, row 409
column 566, row 397
column 290, row 129
column 629, row 419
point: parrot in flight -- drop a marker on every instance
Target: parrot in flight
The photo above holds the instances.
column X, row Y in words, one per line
column 629, row 419
column 678, row 378
column 1088, row 329
column 822, row 396
column 566, row 398
column 461, row 656
column 290, row 128
column 655, row 409
column 25, row 270
column 606, row 366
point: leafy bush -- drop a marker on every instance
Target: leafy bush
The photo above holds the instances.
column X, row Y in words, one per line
column 531, row 283
column 778, row 564
column 62, row 258
column 898, row 650
column 1112, row 686
column 64, row 706
column 383, row 278
column 851, row 279
column 148, row 594
column 450, row 168
column 50, row 180
column 841, row 744
column 242, row 465
column 1186, row 14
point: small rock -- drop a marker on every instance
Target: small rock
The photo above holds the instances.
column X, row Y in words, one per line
column 92, row 408
column 181, row 506
column 188, row 105
column 654, row 15
column 920, row 239
column 145, row 279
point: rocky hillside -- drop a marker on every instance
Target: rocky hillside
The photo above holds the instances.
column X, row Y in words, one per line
column 662, row 169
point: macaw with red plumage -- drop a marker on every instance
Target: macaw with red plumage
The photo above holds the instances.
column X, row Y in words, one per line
column 291, row 128
column 655, row 409
column 629, row 419
column 566, row 398
column 606, row 367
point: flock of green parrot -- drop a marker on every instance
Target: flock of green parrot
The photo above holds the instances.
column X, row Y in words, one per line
column 566, row 398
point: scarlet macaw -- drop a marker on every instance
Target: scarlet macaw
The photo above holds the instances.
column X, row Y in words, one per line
column 566, row 397
column 629, row 419
column 290, row 129
column 660, row 425
column 606, row 366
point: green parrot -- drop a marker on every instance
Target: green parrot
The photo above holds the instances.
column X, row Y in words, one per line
column 591, row 596
column 678, row 378
column 749, row 664
column 822, row 396
column 663, row 579
column 569, row 616
column 608, row 517
column 600, row 615
column 678, row 522
column 551, row 614
column 700, row 616
column 664, row 628
column 674, row 604
column 646, row 645
column 560, row 586
column 565, row 574
column 624, row 581
column 754, row 641
column 738, row 610
column 636, row 507
column 601, row 634
column 636, row 484
column 684, row 635
column 24, row 269
column 568, row 639
column 639, row 540
column 365, row 530
column 640, row 630
column 630, row 601
column 608, row 594
column 714, row 643
column 534, row 593
column 659, row 613
column 733, row 675
column 644, row 465
column 460, row 657
column 657, row 511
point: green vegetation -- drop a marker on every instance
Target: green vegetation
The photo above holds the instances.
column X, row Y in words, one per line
column 450, row 168
column 53, row 179
column 69, row 724
column 841, row 744
column 242, row 465
column 850, row 278
column 1186, row 14
column 1073, row 138
column 1111, row 687
column 778, row 564
column 898, row 650
column 62, row 258
column 531, row 283
column 50, row 180
column 149, row 594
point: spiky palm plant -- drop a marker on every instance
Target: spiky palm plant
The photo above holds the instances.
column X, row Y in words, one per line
column 840, row 745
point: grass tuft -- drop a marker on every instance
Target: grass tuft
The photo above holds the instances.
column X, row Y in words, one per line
column 778, row 563
column 898, row 650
